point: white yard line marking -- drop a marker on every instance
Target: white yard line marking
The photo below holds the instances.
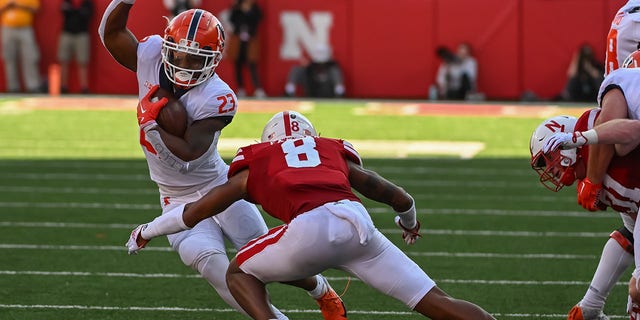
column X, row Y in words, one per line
column 482, row 255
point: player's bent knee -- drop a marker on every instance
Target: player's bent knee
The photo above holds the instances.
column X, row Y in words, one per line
column 624, row 238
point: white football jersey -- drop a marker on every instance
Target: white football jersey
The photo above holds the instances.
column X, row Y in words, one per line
column 212, row 98
column 627, row 80
column 624, row 35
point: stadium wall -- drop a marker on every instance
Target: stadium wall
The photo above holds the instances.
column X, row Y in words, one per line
column 386, row 47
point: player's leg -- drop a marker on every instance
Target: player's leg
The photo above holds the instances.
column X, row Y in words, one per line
column 297, row 251
column 241, row 223
column 250, row 293
column 617, row 256
column 29, row 58
column 202, row 249
column 386, row 268
column 10, row 57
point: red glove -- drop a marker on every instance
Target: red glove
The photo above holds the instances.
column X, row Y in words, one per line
column 589, row 195
column 148, row 109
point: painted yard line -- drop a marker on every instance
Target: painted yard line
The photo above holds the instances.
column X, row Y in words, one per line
column 140, row 164
column 556, row 234
column 372, row 210
column 535, row 256
column 184, row 309
column 196, row 276
column 71, row 190
column 286, row 311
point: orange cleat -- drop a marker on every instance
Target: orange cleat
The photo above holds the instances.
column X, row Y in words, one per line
column 580, row 313
column 332, row 306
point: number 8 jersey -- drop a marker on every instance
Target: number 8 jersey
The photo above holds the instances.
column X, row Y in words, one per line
column 291, row 176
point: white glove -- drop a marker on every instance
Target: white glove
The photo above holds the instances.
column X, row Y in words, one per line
column 132, row 244
column 633, row 310
column 570, row 140
column 409, row 235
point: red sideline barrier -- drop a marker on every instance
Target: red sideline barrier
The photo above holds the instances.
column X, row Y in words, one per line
column 386, row 47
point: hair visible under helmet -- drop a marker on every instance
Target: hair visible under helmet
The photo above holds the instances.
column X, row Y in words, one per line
column 287, row 124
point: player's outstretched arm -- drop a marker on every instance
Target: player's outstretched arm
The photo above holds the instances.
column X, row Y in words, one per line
column 375, row 187
column 187, row 216
column 116, row 37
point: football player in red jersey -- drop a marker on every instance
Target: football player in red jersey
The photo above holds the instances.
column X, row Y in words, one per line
column 611, row 177
column 305, row 181
column 562, row 168
column 183, row 61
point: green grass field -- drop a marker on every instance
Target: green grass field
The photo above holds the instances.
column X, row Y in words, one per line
column 74, row 183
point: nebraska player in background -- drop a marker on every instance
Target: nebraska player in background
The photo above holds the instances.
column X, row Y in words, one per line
column 183, row 61
column 619, row 99
column 305, row 181
column 624, row 35
column 564, row 167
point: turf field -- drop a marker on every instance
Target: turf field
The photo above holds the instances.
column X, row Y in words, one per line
column 73, row 184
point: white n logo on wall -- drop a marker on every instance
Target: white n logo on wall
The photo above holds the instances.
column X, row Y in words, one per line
column 298, row 34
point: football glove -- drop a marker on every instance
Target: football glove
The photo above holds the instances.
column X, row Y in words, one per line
column 564, row 140
column 589, row 195
column 409, row 236
column 136, row 242
column 149, row 107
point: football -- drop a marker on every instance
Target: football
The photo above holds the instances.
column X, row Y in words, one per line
column 173, row 116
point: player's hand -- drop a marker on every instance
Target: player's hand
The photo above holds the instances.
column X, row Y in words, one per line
column 409, row 235
column 560, row 140
column 136, row 242
column 589, row 195
column 149, row 107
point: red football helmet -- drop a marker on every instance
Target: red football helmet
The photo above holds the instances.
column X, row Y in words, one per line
column 632, row 60
column 556, row 169
column 195, row 37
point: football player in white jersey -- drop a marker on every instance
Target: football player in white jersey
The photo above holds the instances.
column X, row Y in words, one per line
column 624, row 35
column 618, row 135
column 183, row 61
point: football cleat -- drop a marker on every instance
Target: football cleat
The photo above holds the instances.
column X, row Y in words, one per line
column 331, row 305
column 581, row 313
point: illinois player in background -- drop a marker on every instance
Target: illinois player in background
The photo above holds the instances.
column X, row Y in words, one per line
column 624, row 35
column 183, row 61
column 619, row 99
column 306, row 181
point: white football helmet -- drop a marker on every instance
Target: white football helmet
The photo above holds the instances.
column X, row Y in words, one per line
column 198, row 34
column 287, row 124
column 555, row 169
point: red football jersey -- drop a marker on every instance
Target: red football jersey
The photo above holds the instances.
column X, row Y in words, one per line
column 622, row 181
column 292, row 176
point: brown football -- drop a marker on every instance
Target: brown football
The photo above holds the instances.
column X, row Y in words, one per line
column 173, row 117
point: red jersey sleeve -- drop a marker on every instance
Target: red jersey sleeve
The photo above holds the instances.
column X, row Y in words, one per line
column 240, row 161
column 351, row 153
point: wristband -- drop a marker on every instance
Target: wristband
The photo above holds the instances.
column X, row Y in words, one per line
column 581, row 138
column 168, row 223
column 636, row 274
column 408, row 218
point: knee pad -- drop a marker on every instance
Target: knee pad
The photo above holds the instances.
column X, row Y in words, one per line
column 624, row 238
column 192, row 254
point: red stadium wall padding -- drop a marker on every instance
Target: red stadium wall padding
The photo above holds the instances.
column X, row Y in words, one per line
column 491, row 27
column 391, row 48
column 386, row 48
column 552, row 31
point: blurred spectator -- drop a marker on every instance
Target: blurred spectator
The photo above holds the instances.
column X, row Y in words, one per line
column 177, row 6
column 584, row 76
column 243, row 46
column 457, row 74
column 74, row 39
column 319, row 76
column 19, row 44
